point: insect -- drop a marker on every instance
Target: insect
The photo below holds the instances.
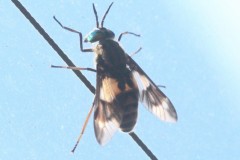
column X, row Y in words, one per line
column 120, row 85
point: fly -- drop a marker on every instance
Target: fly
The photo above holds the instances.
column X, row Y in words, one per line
column 120, row 85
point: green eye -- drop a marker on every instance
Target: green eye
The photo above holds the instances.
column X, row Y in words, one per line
column 99, row 34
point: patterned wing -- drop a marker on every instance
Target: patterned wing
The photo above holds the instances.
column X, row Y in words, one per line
column 150, row 94
column 106, row 119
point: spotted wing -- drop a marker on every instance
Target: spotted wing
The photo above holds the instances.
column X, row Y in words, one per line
column 106, row 119
column 150, row 94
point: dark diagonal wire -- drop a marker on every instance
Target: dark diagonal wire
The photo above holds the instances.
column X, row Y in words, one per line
column 53, row 44
column 70, row 63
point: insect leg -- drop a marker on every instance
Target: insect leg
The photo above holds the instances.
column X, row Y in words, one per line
column 74, row 68
column 136, row 52
column 83, row 129
column 74, row 31
column 161, row 86
column 120, row 36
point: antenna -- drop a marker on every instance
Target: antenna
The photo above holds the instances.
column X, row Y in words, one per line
column 95, row 13
column 106, row 14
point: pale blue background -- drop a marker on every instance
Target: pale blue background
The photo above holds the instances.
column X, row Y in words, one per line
column 190, row 46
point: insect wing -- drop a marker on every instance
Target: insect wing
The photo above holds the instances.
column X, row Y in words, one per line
column 106, row 120
column 150, row 94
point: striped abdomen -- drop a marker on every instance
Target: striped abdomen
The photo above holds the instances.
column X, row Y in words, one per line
column 128, row 101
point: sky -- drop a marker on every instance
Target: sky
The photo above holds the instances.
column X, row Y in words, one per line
column 191, row 47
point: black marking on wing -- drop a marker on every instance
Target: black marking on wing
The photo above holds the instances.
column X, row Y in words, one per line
column 105, row 123
column 153, row 98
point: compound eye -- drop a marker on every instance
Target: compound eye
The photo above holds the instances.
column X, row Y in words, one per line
column 93, row 36
column 99, row 34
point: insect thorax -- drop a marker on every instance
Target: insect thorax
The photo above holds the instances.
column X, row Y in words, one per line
column 111, row 62
column 110, row 57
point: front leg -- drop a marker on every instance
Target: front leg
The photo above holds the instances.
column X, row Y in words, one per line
column 74, row 68
column 120, row 36
column 74, row 31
